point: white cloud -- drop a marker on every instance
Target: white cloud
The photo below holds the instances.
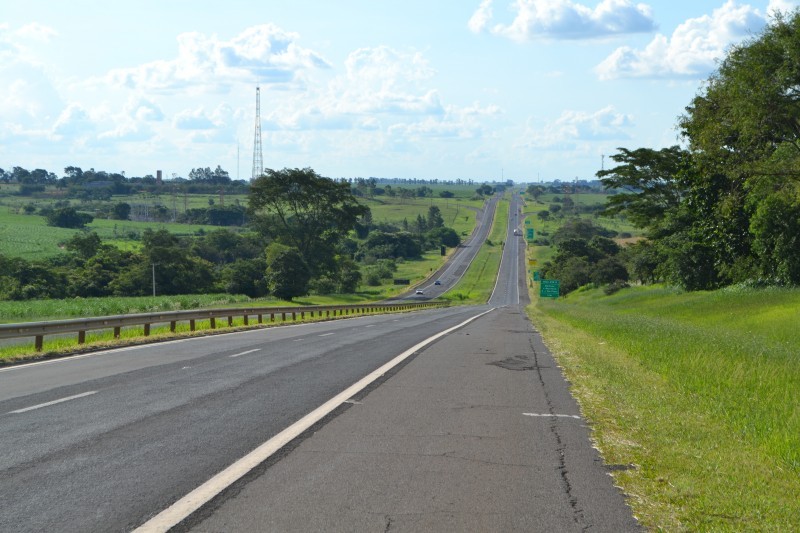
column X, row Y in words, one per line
column 144, row 110
column 73, row 121
column 564, row 19
column 692, row 50
column 261, row 54
column 193, row 120
column 481, row 18
column 783, row 6
column 36, row 32
column 579, row 126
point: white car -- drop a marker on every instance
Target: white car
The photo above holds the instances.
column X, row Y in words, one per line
column 418, row 291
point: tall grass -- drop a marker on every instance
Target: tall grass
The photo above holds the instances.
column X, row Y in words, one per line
column 700, row 391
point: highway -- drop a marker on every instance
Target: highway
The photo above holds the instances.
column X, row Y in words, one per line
column 361, row 424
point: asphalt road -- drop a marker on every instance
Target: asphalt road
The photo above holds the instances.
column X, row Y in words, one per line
column 103, row 442
column 474, row 431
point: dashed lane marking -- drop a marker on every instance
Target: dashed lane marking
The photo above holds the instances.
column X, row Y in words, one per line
column 245, row 353
column 54, row 402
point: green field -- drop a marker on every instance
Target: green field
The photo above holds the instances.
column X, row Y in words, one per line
column 697, row 392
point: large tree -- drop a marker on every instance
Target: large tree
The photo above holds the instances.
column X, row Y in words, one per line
column 744, row 134
column 301, row 209
column 647, row 183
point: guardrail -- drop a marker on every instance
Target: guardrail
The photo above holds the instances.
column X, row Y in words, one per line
column 38, row 330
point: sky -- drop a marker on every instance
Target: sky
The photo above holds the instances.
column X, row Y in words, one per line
column 529, row 90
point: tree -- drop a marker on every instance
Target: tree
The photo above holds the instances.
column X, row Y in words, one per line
column 652, row 182
column 301, row 209
column 68, row 217
column 122, row 211
column 287, row 273
column 435, row 219
column 744, row 137
column 443, row 236
column 84, row 244
column 536, row 191
column 543, row 215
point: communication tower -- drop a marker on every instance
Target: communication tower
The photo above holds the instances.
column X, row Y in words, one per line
column 258, row 156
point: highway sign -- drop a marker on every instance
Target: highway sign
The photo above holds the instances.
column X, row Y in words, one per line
column 537, row 276
column 532, row 262
column 549, row 288
column 530, row 233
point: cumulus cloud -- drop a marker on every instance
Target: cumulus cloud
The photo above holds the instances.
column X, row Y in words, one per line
column 782, row 6
column 263, row 54
column 144, row 110
column 564, row 19
column 74, row 120
column 36, row 32
column 580, row 126
column 693, row 48
column 193, row 120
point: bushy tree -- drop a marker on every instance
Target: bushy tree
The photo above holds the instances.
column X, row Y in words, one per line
column 68, row 217
column 287, row 274
column 301, row 209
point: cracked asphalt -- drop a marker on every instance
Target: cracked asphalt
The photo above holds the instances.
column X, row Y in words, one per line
column 478, row 432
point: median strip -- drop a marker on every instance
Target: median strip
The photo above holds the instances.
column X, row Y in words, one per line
column 54, row 402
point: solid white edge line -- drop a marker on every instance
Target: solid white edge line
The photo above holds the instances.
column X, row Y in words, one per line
column 54, row 402
column 184, row 507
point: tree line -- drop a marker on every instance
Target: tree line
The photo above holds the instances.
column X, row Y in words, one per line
column 306, row 233
column 724, row 208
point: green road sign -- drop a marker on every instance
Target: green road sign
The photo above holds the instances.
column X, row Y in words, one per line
column 549, row 288
column 527, row 222
column 530, row 234
column 537, row 276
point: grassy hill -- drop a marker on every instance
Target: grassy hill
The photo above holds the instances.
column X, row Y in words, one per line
column 696, row 394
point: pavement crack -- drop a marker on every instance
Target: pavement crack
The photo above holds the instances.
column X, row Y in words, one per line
column 389, row 521
column 577, row 511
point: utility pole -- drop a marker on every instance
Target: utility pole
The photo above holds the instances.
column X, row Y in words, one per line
column 154, row 279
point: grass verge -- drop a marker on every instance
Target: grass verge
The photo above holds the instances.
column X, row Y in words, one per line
column 698, row 392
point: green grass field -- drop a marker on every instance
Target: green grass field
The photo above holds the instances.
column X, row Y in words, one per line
column 697, row 391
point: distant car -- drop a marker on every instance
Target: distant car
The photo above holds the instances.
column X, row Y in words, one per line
column 418, row 291
column 437, row 282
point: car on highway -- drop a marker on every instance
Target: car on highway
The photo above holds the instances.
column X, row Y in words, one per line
column 437, row 282
column 419, row 291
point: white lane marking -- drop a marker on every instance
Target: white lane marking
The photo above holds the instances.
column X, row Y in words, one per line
column 370, row 326
column 178, row 511
column 547, row 415
column 298, row 340
column 326, row 334
column 245, row 353
column 47, row 404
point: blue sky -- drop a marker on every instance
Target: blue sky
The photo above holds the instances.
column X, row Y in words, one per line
column 519, row 89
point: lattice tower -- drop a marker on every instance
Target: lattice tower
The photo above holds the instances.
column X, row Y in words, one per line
column 258, row 156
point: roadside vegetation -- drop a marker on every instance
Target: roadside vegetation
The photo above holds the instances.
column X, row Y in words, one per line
column 694, row 394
